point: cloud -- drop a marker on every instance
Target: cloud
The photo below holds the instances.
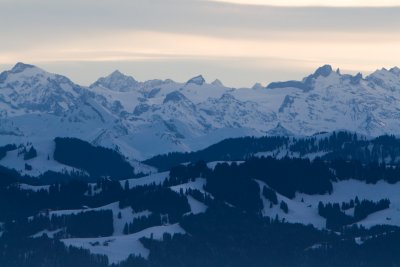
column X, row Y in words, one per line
column 194, row 35
column 307, row 3
column 45, row 17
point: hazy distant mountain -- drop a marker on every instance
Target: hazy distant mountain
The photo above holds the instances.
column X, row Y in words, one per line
column 147, row 118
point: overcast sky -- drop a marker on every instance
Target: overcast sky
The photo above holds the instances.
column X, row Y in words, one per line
column 239, row 41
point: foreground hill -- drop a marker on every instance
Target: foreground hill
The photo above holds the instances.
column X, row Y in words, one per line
column 327, row 146
column 259, row 211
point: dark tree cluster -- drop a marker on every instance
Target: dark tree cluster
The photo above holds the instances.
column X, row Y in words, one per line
column 371, row 172
column 45, row 252
column 184, row 173
column 336, row 218
column 83, row 224
column 74, row 194
column 30, row 153
column 141, row 223
column 28, row 167
column 337, row 146
column 51, row 177
column 227, row 150
column 98, row 161
column 224, row 236
column 8, row 177
column 287, row 176
column 367, row 207
column 284, row 206
column 334, row 142
column 203, row 197
column 5, row 149
column 90, row 223
column 235, row 183
column 270, row 194
column 230, row 184
column 157, row 199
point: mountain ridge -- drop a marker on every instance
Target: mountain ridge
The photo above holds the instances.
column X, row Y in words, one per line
column 138, row 117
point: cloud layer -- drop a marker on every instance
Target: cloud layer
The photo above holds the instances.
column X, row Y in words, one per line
column 328, row 3
column 175, row 39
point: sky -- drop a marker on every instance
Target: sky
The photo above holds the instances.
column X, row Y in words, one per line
column 326, row 3
column 241, row 42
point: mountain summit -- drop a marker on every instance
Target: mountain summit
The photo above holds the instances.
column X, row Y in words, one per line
column 321, row 75
column 117, row 81
column 323, row 71
column 20, row 67
column 199, row 80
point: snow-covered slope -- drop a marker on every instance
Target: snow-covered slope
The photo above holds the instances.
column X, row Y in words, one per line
column 344, row 191
column 303, row 209
column 119, row 248
column 147, row 118
column 38, row 165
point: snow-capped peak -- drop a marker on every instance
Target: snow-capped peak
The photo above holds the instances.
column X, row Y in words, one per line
column 217, row 83
column 22, row 71
column 199, row 80
column 395, row 70
column 117, row 81
column 27, row 76
column 258, row 86
column 308, row 83
column 26, row 89
column 279, row 130
column 117, row 74
column 324, row 71
column 387, row 79
column 20, row 67
column 385, row 73
column 357, row 78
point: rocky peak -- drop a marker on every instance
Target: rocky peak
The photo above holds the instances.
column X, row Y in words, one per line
column 199, row 80
column 258, row 86
column 323, row 71
column 20, row 67
column 217, row 82
column 117, row 81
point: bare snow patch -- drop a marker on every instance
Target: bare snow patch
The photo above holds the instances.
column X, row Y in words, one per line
column 119, row 248
column 196, row 206
column 344, row 191
column 40, row 164
column 299, row 212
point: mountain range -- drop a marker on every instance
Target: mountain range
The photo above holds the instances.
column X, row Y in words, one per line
column 144, row 119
